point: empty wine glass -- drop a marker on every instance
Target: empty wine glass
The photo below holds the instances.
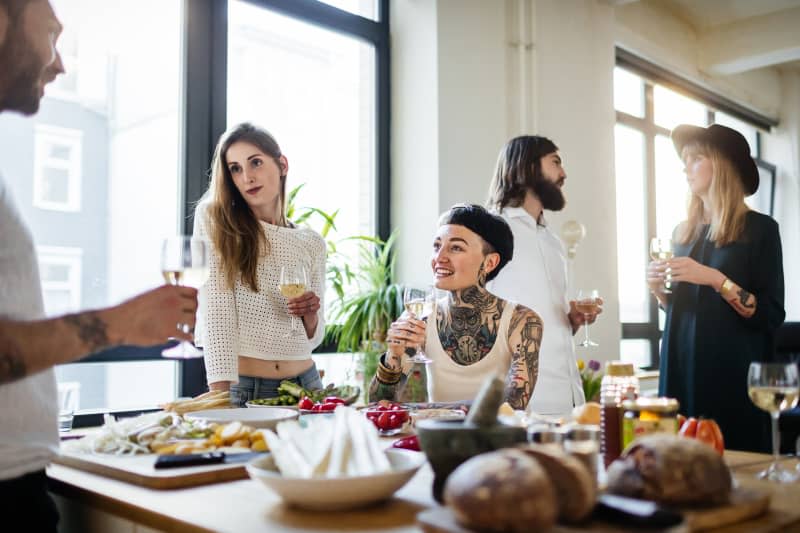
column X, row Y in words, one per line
column 774, row 387
column 587, row 303
column 184, row 261
column 293, row 282
column 419, row 304
column 661, row 250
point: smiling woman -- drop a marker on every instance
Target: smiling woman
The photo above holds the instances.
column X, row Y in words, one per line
column 472, row 333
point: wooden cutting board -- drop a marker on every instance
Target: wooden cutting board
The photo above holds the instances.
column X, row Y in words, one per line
column 746, row 504
column 139, row 470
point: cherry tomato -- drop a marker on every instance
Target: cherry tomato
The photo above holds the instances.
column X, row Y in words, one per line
column 681, row 420
column 373, row 415
column 305, row 403
column 328, row 406
column 720, row 440
column 316, row 408
column 333, row 399
column 706, row 432
column 407, row 443
column 384, row 421
column 689, row 428
column 396, row 407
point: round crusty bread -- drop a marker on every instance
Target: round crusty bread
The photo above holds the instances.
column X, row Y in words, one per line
column 671, row 469
column 504, row 491
column 575, row 489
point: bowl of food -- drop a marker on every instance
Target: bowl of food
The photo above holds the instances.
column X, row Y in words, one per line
column 338, row 493
column 390, row 419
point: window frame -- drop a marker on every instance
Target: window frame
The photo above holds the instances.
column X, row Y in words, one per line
column 69, row 256
column 204, row 112
column 652, row 75
column 46, row 136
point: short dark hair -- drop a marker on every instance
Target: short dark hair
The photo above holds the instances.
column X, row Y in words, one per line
column 518, row 167
column 494, row 231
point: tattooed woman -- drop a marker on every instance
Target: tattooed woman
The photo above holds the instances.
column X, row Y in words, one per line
column 728, row 300
column 475, row 333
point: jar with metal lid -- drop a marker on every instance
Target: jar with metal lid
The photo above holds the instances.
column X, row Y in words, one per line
column 644, row 416
column 545, row 434
column 583, row 443
column 619, row 384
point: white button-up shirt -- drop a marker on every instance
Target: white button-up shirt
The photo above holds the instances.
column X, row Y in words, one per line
column 537, row 279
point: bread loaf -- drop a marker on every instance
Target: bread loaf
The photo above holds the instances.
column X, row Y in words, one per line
column 575, row 489
column 672, row 470
column 501, row 491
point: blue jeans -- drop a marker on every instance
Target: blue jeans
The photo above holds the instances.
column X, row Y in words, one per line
column 253, row 388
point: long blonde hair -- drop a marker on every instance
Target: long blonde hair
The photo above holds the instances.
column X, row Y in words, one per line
column 726, row 199
column 235, row 231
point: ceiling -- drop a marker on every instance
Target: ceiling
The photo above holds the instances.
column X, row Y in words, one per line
column 705, row 14
column 736, row 36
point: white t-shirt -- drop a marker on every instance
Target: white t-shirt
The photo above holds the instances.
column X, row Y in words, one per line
column 255, row 324
column 537, row 279
column 28, row 407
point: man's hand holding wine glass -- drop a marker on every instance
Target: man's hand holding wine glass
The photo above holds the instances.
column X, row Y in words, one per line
column 153, row 317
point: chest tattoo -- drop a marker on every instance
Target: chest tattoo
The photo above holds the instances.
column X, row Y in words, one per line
column 469, row 330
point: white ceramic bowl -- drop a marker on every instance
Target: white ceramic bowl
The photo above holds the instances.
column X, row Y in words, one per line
column 336, row 494
column 257, row 418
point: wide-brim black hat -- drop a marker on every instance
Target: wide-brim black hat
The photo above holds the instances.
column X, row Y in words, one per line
column 729, row 142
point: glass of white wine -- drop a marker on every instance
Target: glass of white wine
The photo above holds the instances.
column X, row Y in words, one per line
column 184, row 261
column 661, row 250
column 419, row 304
column 774, row 387
column 587, row 302
column 293, row 282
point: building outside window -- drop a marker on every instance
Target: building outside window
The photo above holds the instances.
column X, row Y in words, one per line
column 57, row 168
column 652, row 194
column 60, row 272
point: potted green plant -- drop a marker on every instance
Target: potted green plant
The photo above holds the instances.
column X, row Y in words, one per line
column 367, row 299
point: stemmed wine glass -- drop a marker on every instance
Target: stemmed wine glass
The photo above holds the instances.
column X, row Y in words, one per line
column 774, row 387
column 184, row 261
column 293, row 282
column 661, row 250
column 419, row 304
column 587, row 303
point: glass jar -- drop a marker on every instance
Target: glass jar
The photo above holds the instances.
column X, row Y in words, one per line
column 644, row 416
column 618, row 384
column 583, row 442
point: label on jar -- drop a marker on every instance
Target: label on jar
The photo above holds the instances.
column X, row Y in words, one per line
column 632, row 428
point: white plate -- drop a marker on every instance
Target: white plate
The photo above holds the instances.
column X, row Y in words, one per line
column 258, row 418
column 258, row 406
column 336, row 494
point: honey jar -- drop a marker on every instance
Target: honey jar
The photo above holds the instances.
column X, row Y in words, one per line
column 644, row 416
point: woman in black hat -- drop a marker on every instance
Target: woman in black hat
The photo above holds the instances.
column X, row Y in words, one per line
column 475, row 333
column 727, row 290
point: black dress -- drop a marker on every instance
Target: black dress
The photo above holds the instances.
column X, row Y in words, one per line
column 707, row 347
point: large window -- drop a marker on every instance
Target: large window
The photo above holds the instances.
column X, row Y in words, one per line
column 652, row 193
column 120, row 150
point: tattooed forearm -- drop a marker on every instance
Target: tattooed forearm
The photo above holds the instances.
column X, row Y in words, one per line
column 91, row 330
column 12, row 365
column 742, row 301
column 526, row 338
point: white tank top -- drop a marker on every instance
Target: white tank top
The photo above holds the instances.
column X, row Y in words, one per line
column 455, row 382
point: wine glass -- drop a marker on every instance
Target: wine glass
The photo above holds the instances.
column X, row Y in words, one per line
column 184, row 261
column 774, row 387
column 419, row 304
column 293, row 284
column 661, row 250
column 587, row 303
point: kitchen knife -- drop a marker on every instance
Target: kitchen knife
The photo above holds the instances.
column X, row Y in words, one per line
column 635, row 512
column 207, row 458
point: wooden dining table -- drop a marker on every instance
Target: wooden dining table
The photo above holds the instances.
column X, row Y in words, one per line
column 91, row 502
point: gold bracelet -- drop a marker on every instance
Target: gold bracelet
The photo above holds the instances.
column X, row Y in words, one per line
column 726, row 286
column 386, row 375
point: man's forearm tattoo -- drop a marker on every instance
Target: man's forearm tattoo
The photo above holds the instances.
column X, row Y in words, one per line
column 91, row 330
column 12, row 365
column 524, row 371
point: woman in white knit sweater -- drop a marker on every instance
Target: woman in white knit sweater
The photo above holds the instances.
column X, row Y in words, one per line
column 244, row 321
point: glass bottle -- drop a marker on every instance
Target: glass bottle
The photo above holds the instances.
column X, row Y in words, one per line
column 618, row 384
